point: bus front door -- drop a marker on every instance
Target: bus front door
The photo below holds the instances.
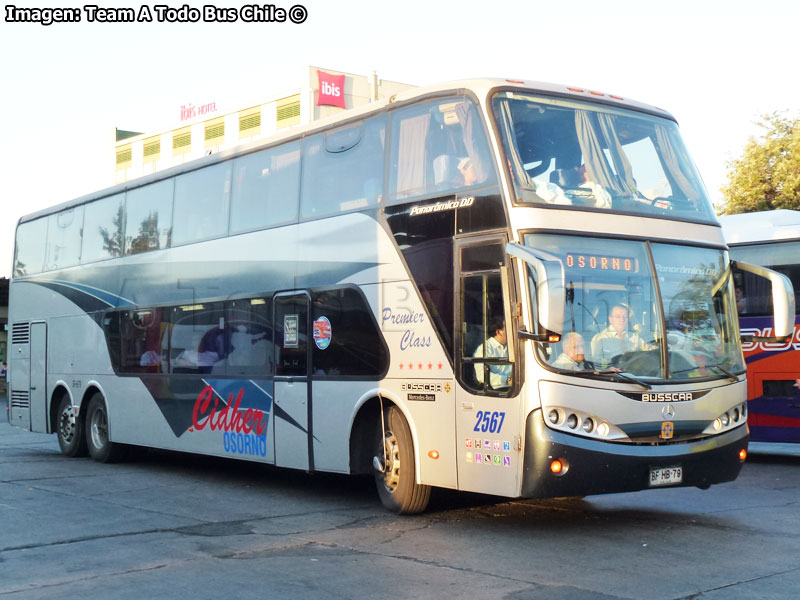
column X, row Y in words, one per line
column 292, row 402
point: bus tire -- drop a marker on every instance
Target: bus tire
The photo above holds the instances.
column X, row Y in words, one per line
column 100, row 447
column 397, row 485
column 69, row 429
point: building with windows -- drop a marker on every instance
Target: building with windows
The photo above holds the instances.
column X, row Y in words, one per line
column 204, row 130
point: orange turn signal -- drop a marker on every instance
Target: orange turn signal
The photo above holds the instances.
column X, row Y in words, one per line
column 434, row 454
column 743, row 454
column 556, row 467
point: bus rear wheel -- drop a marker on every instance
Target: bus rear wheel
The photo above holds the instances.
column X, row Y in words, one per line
column 395, row 475
column 100, row 447
column 70, row 430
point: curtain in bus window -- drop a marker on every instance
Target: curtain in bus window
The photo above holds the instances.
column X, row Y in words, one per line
column 598, row 168
column 477, row 151
column 148, row 225
column 621, row 164
column 266, row 188
column 673, row 164
column 201, row 204
column 103, row 229
column 439, row 148
column 411, row 156
column 64, row 238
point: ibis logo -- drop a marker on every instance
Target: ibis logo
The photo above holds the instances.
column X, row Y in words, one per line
column 331, row 90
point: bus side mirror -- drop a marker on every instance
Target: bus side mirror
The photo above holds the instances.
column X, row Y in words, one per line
column 782, row 301
column 550, row 289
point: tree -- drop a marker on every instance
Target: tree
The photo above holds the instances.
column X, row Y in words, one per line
column 767, row 176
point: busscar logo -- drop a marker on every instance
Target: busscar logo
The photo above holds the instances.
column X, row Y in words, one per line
column 331, row 90
column 421, row 387
column 667, row 397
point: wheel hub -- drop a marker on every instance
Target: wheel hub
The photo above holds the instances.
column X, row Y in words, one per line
column 67, row 425
column 99, row 429
column 391, row 468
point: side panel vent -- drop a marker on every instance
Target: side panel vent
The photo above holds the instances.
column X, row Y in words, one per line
column 20, row 399
column 20, row 333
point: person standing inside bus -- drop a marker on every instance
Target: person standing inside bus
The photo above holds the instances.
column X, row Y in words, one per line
column 615, row 339
column 495, row 347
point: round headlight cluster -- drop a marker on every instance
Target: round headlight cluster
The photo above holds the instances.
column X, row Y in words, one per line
column 574, row 421
column 731, row 418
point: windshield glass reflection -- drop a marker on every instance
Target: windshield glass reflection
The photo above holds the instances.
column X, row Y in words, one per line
column 594, row 156
column 615, row 321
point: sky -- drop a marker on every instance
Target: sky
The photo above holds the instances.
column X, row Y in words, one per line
column 717, row 66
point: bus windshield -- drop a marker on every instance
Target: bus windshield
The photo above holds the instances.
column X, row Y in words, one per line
column 620, row 317
column 570, row 153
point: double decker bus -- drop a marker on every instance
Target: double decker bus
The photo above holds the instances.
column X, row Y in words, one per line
column 496, row 286
column 772, row 239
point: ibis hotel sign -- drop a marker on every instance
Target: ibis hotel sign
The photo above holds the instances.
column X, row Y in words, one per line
column 331, row 90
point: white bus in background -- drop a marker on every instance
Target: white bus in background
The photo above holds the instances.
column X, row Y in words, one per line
column 336, row 299
column 772, row 239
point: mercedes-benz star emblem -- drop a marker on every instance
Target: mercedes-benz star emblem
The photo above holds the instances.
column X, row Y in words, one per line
column 668, row 412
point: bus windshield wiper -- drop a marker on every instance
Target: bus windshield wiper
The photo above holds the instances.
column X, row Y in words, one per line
column 718, row 367
column 624, row 377
column 722, row 369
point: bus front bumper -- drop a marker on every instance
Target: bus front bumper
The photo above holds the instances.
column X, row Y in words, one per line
column 596, row 467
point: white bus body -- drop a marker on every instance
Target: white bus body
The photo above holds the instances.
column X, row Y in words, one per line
column 324, row 301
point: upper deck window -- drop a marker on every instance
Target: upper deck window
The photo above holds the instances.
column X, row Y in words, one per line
column 343, row 169
column 438, row 148
column 265, row 188
column 580, row 154
column 103, row 228
column 201, row 204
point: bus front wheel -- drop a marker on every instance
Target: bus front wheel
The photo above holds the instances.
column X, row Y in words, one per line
column 395, row 475
column 70, row 430
column 100, row 447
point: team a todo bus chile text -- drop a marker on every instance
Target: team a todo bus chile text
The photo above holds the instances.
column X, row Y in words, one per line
column 249, row 13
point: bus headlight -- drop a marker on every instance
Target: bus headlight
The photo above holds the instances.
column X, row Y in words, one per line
column 576, row 422
column 733, row 417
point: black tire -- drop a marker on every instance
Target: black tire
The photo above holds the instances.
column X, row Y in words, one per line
column 100, row 447
column 69, row 429
column 397, row 483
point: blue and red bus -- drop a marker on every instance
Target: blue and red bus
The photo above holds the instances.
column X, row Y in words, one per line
column 770, row 239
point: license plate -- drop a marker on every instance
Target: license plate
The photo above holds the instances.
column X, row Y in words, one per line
column 668, row 476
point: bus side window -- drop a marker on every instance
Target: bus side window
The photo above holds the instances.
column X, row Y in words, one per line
column 148, row 218
column 347, row 341
column 437, row 148
column 266, row 188
column 201, row 204
column 29, row 258
column 142, row 335
column 249, row 330
column 199, row 340
column 64, row 238
column 343, row 169
column 102, row 229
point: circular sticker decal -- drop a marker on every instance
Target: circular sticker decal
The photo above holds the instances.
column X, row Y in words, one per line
column 322, row 333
